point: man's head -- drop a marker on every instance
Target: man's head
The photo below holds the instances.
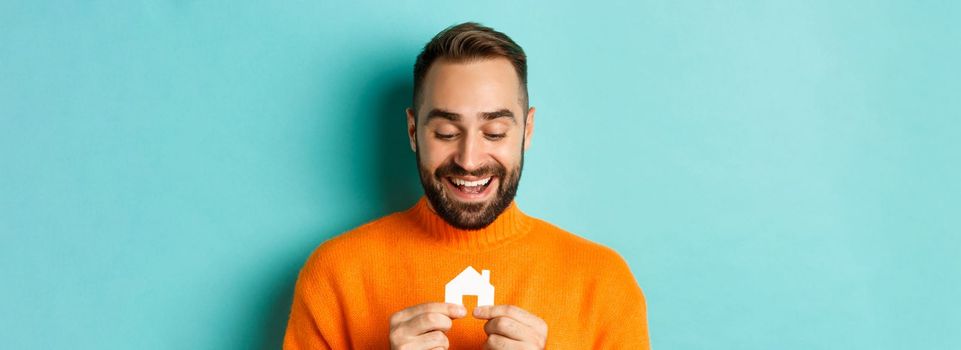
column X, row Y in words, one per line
column 470, row 123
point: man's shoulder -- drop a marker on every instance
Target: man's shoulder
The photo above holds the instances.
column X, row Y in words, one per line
column 589, row 260
column 367, row 237
column 576, row 246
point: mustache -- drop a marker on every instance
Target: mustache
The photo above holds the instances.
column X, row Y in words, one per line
column 452, row 169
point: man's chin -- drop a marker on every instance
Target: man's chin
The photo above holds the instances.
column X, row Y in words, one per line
column 469, row 207
column 468, row 215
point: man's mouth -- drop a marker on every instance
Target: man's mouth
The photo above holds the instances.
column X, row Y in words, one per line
column 470, row 188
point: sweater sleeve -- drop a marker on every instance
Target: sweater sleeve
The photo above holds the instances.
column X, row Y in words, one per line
column 303, row 332
column 307, row 328
column 624, row 308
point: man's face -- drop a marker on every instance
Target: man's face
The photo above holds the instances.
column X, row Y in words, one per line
column 470, row 132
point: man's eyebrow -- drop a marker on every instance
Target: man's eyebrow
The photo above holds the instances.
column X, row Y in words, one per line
column 502, row 113
column 440, row 113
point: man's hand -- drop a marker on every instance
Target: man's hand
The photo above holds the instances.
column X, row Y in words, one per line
column 423, row 326
column 510, row 327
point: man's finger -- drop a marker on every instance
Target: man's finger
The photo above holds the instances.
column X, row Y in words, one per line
column 447, row 309
column 521, row 315
column 512, row 329
column 433, row 340
column 427, row 322
column 496, row 342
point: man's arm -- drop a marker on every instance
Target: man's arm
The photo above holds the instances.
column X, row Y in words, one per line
column 624, row 308
column 303, row 331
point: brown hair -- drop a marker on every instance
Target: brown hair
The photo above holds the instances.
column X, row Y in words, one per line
column 465, row 42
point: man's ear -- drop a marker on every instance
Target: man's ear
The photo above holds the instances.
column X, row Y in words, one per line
column 412, row 128
column 529, row 128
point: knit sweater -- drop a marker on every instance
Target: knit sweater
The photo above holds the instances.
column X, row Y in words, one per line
column 351, row 284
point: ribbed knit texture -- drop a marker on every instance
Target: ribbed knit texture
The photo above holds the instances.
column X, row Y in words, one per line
column 351, row 284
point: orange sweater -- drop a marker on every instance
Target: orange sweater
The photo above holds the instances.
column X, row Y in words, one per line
column 351, row 284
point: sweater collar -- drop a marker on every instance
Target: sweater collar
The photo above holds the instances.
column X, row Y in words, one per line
column 510, row 224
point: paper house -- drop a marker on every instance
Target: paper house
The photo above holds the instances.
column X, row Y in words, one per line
column 470, row 282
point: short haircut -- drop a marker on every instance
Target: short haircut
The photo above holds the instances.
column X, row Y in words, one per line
column 466, row 42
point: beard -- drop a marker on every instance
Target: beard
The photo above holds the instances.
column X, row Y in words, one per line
column 469, row 215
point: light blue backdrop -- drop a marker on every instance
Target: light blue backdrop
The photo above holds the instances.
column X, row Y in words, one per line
column 778, row 176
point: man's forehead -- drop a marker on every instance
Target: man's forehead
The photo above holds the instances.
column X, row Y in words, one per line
column 473, row 86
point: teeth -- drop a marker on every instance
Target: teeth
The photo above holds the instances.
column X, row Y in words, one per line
column 460, row 182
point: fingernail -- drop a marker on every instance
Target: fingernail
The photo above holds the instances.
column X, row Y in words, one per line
column 460, row 311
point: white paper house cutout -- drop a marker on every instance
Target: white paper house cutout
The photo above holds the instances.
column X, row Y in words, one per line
column 469, row 282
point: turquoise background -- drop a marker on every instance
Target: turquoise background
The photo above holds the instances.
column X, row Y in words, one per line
column 778, row 175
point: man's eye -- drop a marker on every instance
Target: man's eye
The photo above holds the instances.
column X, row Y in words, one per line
column 495, row 136
column 445, row 136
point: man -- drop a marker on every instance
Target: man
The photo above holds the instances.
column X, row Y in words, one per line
column 399, row 281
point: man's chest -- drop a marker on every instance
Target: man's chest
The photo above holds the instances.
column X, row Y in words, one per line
column 373, row 293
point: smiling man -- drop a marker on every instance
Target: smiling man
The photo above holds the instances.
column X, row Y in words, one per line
column 398, row 281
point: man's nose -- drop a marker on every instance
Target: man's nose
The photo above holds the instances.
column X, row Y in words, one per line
column 470, row 152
